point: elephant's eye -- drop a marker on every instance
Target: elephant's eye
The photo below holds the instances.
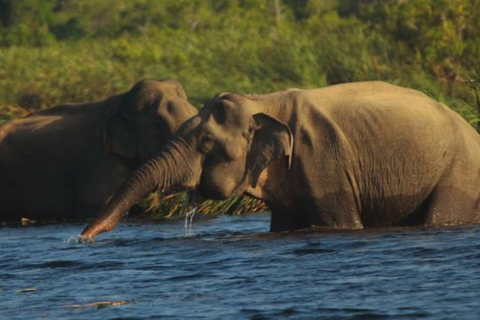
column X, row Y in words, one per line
column 207, row 143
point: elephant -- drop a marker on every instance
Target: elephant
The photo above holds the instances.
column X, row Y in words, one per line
column 66, row 162
column 344, row 157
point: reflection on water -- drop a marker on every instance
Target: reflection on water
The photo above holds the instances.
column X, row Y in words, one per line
column 231, row 268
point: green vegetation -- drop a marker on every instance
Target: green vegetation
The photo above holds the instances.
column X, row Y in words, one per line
column 175, row 205
column 56, row 51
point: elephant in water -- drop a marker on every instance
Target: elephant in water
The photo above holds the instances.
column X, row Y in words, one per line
column 348, row 156
column 66, row 162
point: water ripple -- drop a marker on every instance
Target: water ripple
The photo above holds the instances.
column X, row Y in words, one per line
column 231, row 268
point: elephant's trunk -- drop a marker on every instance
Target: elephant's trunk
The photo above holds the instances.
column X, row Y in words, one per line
column 169, row 169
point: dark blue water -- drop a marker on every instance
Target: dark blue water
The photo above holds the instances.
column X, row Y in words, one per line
column 231, row 268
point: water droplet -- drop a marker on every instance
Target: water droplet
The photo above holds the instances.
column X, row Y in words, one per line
column 189, row 221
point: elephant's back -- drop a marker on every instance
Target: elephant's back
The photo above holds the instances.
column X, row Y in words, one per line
column 396, row 144
column 380, row 111
column 353, row 90
column 377, row 119
column 46, row 136
column 397, row 132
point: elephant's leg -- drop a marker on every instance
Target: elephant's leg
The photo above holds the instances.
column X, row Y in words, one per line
column 284, row 219
column 453, row 204
column 335, row 211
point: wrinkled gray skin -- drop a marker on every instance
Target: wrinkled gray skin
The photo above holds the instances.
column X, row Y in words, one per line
column 67, row 162
column 348, row 156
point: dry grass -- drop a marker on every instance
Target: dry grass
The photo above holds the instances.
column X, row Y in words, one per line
column 158, row 207
column 11, row 112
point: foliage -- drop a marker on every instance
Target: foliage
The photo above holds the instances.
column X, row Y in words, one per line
column 175, row 205
column 57, row 51
column 71, row 50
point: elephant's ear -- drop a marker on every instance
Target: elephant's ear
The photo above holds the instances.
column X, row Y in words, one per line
column 272, row 139
column 120, row 136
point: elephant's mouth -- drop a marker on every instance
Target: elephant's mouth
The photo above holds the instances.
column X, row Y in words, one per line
column 210, row 193
column 214, row 192
column 194, row 199
column 170, row 190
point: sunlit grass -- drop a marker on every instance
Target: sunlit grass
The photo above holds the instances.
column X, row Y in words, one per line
column 174, row 205
column 11, row 112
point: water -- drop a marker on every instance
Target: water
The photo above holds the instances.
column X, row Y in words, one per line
column 231, row 268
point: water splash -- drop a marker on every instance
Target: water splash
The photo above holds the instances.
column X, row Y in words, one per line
column 192, row 202
column 189, row 221
column 73, row 240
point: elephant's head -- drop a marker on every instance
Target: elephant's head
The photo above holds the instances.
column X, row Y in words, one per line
column 140, row 121
column 220, row 152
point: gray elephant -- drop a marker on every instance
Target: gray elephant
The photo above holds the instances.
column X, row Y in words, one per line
column 66, row 162
column 348, row 156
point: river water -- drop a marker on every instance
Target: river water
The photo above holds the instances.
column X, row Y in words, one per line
column 230, row 267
